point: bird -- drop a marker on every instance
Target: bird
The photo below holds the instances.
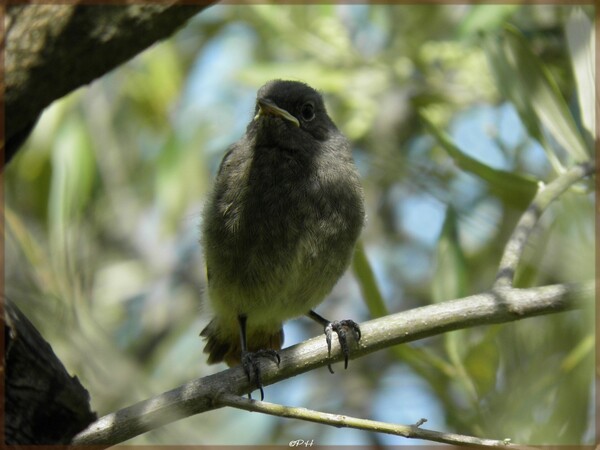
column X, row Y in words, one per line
column 279, row 228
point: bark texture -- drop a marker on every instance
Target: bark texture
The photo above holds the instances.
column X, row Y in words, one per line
column 51, row 50
column 43, row 403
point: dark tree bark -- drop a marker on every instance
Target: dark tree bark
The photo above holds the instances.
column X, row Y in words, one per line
column 43, row 404
column 51, row 50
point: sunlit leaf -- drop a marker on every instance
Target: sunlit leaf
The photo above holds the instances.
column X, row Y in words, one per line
column 457, row 344
column 23, row 238
column 485, row 17
column 367, row 283
column 584, row 349
column 73, row 173
column 482, row 361
column 176, row 175
column 526, row 82
column 424, row 361
column 155, row 83
column 510, row 88
column 581, row 41
column 449, row 282
column 450, row 276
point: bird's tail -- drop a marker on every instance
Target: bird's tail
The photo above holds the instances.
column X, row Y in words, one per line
column 223, row 347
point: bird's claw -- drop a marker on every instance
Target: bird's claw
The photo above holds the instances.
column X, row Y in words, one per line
column 340, row 327
column 252, row 367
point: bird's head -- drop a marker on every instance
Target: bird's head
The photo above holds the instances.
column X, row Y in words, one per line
column 291, row 110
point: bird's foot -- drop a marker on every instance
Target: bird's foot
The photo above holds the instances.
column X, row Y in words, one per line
column 340, row 327
column 250, row 363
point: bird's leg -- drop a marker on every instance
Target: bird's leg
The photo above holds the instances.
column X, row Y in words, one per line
column 339, row 327
column 250, row 359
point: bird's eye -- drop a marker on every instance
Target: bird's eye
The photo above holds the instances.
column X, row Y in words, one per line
column 308, row 111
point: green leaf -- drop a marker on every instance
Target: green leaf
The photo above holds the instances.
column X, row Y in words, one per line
column 176, row 178
column 581, row 42
column 456, row 344
column 514, row 188
column 524, row 80
column 482, row 361
column 584, row 349
column 545, row 96
column 18, row 232
column 485, row 18
column 73, row 173
column 450, row 277
column 367, row 282
column 155, row 85
column 424, row 361
column 510, row 89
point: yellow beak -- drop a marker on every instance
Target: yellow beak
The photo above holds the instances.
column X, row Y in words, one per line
column 267, row 107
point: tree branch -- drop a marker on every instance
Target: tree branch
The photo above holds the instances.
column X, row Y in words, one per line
column 341, row 421
column 545, row 195
column 52, row 50
column 200, row 395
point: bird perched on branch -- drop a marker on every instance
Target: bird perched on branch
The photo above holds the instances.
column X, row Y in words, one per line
column 279, row 228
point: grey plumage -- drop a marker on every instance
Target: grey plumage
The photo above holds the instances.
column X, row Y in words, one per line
column 280, row 226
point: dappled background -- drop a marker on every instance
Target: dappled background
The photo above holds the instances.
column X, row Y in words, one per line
column 456, row 113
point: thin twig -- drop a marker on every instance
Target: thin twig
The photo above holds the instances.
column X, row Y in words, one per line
column 497, row 306
column 342, row 421
column 545, row 195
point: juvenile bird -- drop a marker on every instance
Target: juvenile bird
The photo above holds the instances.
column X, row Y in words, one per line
column 279, row 228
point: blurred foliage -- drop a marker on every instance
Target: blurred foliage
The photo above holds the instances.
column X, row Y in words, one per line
column 456, row 113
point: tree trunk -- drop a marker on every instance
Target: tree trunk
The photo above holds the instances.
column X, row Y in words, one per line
column 43, row 403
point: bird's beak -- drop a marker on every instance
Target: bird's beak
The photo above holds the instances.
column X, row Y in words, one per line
column 267, row 107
